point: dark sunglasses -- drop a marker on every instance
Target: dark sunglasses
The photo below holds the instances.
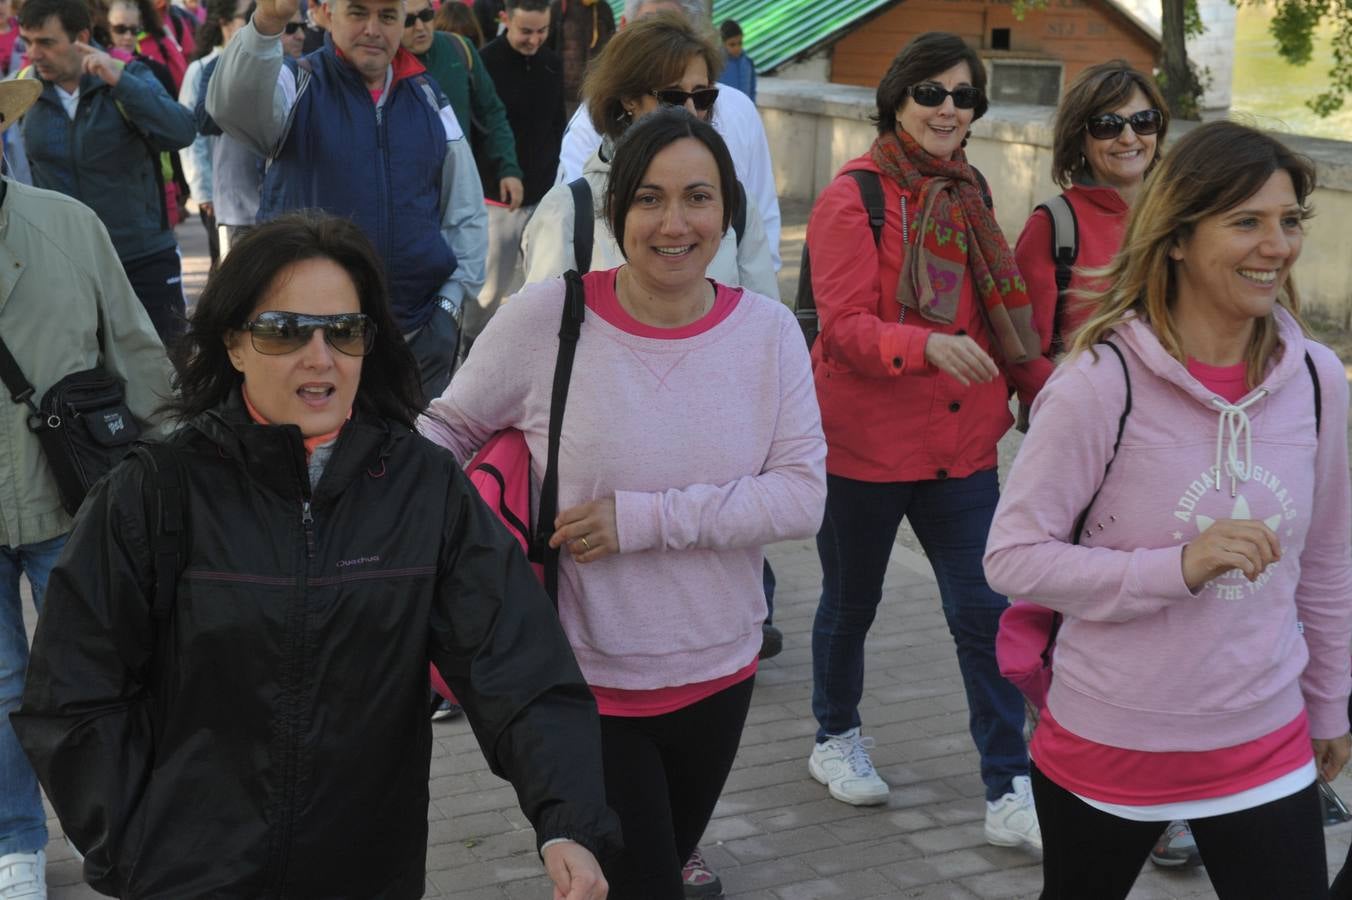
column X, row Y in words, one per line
column 426, row 15
column 927, row 94
column 1106, row 126
column 123, row 29
column 704, row 97
column 293, row 27
column 277, row 333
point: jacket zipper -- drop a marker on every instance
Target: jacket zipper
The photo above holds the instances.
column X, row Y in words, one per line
column 905, row 244
column 295, row 669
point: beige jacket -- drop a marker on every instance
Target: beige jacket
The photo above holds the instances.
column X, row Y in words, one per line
column 65, row 306
column 547, row 244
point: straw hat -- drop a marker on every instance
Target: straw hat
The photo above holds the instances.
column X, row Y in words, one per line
column 15, row 98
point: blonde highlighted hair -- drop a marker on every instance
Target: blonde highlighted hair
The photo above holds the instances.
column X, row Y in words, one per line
column 1215, row 168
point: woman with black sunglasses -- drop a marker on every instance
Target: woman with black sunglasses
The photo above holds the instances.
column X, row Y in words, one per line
column 228, row 688
column 921, row 324
column 658, row 61
column 1107, row 136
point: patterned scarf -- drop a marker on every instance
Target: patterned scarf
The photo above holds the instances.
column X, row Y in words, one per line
column 957, row 234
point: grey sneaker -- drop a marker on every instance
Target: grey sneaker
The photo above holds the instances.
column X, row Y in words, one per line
column 1176, row 848
column 841, row 762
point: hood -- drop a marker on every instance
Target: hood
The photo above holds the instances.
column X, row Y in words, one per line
column 597, row 164
column 1105, row 198
column 1233, row 433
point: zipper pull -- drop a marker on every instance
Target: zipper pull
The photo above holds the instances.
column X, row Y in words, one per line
column 308, row 520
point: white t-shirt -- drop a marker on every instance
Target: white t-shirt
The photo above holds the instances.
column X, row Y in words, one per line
column 736, row 119
column 68, row 101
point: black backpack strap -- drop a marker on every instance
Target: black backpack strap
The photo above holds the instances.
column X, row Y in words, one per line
column 985, row 186
column 739, row 214
column 570, row 329
column 1065, row 250
column 583, row 223
column 1117, row 442
column 164, row 497
column 1318, row 392
column 20, row 389
column 871, row 190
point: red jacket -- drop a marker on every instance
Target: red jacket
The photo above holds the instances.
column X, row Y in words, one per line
column 888, row 415
column 1101, row 217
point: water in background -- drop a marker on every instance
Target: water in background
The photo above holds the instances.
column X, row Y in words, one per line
column 1272, row 91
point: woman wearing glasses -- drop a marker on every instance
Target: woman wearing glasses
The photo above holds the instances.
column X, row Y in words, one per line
column 918, row 334
column 251, row 621
column 658, row 61
column 1108, row 134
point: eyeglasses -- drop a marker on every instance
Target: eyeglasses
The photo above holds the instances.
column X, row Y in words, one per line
column 277, row 333
column 929, row 94
column 293, row 27
column 1106, row 126
column 124, row 29
column 426, row 15
column 704, row 97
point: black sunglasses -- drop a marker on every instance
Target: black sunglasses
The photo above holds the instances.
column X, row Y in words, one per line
column 293, row 27
column 123, row 29
column 704, row 97
column 426, row 15
column 929, row 94
column 1106, row 126
column 277, row 333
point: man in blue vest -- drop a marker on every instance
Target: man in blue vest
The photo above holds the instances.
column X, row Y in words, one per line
column 359, row 129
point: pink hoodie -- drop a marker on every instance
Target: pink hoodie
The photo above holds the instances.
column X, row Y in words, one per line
column 1141, row 662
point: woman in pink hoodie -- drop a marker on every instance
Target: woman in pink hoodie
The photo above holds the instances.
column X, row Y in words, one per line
column 1187, row 509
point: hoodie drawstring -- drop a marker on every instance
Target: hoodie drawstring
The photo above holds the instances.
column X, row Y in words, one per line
column 1234, row 423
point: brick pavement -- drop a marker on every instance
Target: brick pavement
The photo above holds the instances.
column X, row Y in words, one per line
column 776, row 835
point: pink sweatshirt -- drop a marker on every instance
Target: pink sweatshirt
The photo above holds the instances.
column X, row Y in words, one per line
column 1141, row 662
column 711, row 445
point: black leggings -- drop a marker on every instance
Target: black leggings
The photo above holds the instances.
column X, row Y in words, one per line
column 663, row 777
column 1270, row 851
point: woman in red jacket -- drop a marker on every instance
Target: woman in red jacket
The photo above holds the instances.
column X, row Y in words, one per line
column 918, row 335
column 1107, row 136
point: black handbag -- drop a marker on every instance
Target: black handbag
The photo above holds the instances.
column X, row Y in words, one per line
column 82, row 423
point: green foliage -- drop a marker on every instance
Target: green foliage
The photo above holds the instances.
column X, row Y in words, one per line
column 1294, row 26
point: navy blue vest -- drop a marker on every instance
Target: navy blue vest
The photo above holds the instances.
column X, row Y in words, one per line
column 383, row 175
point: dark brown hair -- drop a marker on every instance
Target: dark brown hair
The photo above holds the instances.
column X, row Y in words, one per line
column 389, row 385
column 646, row 138
column 926, row 56
column 1098, row 89
column 646, row 55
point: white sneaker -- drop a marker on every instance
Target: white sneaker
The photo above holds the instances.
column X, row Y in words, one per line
column 1012, row 820
column 23, row 876
column 841, row 763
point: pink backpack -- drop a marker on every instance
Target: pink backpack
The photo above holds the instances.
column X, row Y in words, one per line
column 501, row 470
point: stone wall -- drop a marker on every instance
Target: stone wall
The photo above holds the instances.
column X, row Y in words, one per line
column 814, row 128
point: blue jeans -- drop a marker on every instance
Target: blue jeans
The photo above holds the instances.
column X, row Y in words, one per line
column 23, row 824
column 951, row 518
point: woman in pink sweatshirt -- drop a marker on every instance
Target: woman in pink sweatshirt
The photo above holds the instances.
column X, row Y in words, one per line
column 691, row 439
column 1202, row 670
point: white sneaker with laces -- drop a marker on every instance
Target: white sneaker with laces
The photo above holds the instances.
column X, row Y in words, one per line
column 841, row 763
column 23, row 876
column 1012, row 820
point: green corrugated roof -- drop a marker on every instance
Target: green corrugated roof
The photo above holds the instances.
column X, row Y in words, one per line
column 777, row 31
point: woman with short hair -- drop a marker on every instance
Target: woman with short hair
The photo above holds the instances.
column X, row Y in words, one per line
column 1183, row 500
column 690, row 439
column 922, row 323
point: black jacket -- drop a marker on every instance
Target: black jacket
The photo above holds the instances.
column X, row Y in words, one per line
column 273, row 739
column 531, row 88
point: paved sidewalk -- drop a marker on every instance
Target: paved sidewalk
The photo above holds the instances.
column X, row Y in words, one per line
column 776, row 834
